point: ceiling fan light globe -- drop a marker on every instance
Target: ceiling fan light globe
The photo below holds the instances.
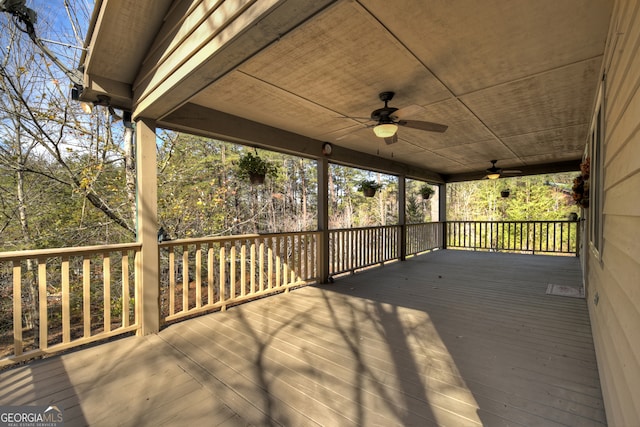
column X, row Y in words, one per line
column 493, row 176
column 86, row 107
column 385, row 130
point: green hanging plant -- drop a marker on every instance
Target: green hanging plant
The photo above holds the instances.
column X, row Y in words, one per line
column 256, row 168
column 368, row 187
column 426, row 191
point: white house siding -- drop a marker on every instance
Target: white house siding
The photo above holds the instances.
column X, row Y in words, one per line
column 614, row 279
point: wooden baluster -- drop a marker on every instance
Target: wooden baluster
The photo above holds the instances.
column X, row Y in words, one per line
column 253, row 260
column 185, row 278
column 210, row 274
column 106, row 289
column 17, row 308
column 86, row 295
column 223, row 276
column 125, row 289
column 66, row 300
column 198, row 274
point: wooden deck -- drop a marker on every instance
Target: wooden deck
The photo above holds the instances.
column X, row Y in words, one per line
column 449, row 338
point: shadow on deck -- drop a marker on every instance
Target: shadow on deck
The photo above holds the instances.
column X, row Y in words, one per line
column 448, row 338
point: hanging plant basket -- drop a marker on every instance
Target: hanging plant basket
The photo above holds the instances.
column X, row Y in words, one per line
column 256, row 178
column 369, row 192
column 426, row 191
column 368, row 187
column 505, row 193
column 580, row 192
column 255, row 168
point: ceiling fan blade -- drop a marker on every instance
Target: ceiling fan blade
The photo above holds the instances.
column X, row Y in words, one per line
column 428, row 126
column 337, row 135
column 392, row 139
column 343, row 136
column 408, row 111
column 511, row 171
column 352, row 118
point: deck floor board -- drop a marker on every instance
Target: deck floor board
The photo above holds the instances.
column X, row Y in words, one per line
column 446, row 338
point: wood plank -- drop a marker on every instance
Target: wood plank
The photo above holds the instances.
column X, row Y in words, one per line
column 198, row 274
column 334, row 389
column 43, row 303
column 17, row 308
column 125, row 289
column 433, row 355
column 106, row 288
column 86, row 296
column 66, row 300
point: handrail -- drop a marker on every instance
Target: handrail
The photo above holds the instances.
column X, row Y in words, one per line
column 195, row 240
column 72, row 251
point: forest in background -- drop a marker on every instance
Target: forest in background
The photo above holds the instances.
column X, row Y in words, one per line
column 200, row 194
column 67, row 177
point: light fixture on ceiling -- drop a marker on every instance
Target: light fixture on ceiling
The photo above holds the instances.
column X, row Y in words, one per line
column 493, row 172
column 102, row 100
column 385, row 130
column 86, row 107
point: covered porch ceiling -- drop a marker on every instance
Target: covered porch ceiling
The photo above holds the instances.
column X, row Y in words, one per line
column 513, row 80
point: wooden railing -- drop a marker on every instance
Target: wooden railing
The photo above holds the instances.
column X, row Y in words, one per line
column 423, row 237
column 63, row 298
column 56, row 299
column 205, row 274
column 560, row 237
column 351, row 249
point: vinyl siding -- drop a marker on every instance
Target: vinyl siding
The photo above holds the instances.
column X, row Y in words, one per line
column 615, row 276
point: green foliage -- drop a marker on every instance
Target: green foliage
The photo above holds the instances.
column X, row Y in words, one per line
column 254, row 164
column 200, row 194
column 539, row 197
column 368, row 184
column 426, row 191
column 414, row 212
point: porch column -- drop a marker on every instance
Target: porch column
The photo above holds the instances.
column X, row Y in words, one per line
column 442, row 212
column 147, row 263
column 323, row 219
column 402, row 217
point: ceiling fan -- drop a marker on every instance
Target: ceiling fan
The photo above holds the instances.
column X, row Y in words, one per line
column 495, row 172
column 389, row 118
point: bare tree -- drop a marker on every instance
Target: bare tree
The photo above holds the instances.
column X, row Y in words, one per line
column 36, row 94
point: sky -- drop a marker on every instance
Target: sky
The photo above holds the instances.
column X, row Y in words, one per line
column 54, row 21
column 54, row 28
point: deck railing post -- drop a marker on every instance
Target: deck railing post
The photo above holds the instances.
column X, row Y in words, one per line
column 322, row 258
column 148, row 263
column 442, row 213
column 402, row 218
column 578, row 236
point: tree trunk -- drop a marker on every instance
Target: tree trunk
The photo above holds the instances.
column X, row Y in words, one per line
column 303, row 189
column 32, row 288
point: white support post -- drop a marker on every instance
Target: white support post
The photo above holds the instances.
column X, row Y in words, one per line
column 147, row 265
